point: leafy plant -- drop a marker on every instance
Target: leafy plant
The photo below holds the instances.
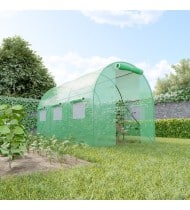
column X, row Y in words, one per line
column 12, row 132
column 51, row 147
column 30, row 105
column 61, row 150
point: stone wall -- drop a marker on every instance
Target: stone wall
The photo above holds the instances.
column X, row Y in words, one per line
column 172, row 110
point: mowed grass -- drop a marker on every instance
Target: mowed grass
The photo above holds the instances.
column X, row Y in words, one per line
column 159, row 170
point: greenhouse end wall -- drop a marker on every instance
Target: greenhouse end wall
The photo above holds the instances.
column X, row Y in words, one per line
column 92, row 108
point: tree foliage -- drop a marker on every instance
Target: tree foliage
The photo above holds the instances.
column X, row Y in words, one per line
column 178, row 80
column 22, row 72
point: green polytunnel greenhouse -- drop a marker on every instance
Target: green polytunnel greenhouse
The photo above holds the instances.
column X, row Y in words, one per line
column 105, row 107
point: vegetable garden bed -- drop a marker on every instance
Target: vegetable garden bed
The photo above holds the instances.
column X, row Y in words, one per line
column 32, row 162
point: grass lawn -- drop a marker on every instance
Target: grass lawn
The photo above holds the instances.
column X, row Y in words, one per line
column 158, row 170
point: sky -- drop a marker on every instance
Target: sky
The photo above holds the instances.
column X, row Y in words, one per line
column 75, row 42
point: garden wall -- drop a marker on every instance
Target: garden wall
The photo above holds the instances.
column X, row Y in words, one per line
column 172, row 110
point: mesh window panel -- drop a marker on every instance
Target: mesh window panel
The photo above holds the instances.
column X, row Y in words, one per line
column 42, row 115
column 57, row 113
column 79, row 110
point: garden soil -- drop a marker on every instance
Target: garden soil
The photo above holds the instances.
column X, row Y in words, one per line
column 32, row 162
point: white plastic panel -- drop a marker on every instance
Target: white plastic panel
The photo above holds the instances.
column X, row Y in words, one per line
column 57, row 113
column 79, row 110
column 42, row 115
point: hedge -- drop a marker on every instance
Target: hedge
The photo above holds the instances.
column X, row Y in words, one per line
column 176, row 128
column 30, row 107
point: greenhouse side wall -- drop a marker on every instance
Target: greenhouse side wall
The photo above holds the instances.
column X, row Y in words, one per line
column 148, row 132
column 104, row 130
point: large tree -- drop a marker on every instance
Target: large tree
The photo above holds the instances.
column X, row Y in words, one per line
column 178, row 80
column 22, row 72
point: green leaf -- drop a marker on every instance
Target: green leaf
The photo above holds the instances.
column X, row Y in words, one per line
column 8, row 112
column 17, row 116
column 4, row 129
column 1, row 121
column 14, row 122
column 5, row 145
column 22, row 148
column 19, row 138
column 3, row 107
column 4, row 151
column 17, row 107
column 18, row 130
column 15, row 150
column 15, row 144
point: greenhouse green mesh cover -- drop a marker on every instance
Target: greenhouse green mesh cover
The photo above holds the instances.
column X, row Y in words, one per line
column 103, row 108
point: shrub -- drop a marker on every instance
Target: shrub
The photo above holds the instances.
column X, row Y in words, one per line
column 30, row 106
column 174, row 96
column 176, row 128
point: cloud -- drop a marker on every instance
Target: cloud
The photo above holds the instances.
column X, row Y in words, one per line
column 7, row 15
column 71, row 66
column 124, row 18
column 5, row 19
column 153, row 72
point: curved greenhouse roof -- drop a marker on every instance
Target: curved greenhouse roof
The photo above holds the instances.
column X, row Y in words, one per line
column 82, row 85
